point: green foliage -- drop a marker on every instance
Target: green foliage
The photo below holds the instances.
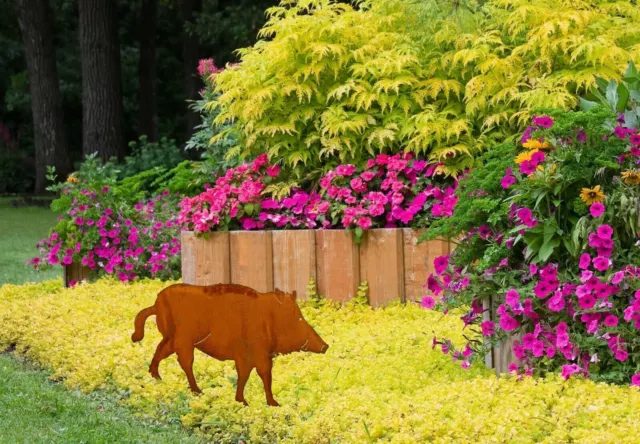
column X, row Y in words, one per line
column 362, row 296
column 622, row 97
column 146, row 155
column 334, row 83
column 16, row 173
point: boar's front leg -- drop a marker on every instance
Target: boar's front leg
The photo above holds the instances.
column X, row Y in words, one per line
column 264, row 366
column 244, row 370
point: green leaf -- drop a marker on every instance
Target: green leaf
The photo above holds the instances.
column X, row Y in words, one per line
column 612, row 94
column 248, row 208
column 623, row 94
column 547, row 249
column 587, row 104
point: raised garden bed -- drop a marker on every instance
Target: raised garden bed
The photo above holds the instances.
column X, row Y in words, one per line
column 390, row 260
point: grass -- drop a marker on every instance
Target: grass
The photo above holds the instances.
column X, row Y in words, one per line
column 34, row 409
column 37, row 410
column 20, row 230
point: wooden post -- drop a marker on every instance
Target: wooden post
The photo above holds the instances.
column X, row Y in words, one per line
column 74, row 272
column 382, row 265
column 205, row 261
column 294, row 260
column 338, row 264
column 252, row 259
column 418, row 262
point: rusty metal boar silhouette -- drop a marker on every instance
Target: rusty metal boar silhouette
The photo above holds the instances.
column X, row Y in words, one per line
column 228, row 322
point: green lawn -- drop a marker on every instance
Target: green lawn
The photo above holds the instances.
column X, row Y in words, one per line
column 35, row 410
column 32, row 408
column 20, row 230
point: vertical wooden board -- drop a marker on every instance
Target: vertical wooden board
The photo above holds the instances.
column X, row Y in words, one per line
column 294, row 260
column 382, row 265
column 416, row 264
column 187, row 251
column 252, row 259
column 74, row 272
column 338, row 265
column 205, row 261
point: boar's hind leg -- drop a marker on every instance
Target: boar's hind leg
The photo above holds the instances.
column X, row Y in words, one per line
column 244, row 370
column 264, row 367
column 163, row 351
column 184, row 350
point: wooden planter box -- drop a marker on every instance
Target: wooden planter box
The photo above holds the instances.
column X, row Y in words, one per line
column 392, row 263
column 74, row 272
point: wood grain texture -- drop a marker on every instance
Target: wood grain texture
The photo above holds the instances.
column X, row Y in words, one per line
column 252, row 259
column 74, row 272
column 382, row 265
column 418, row 262
column 205, row 261
column 294, row 260
column 338, row 265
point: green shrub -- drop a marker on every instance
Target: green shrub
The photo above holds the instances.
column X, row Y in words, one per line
column 335, row 83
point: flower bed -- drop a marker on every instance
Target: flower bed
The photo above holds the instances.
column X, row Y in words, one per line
column 381, row 379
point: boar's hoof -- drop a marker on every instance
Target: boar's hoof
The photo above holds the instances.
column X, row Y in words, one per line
column 196, row 391
column 155, row 374
column 243, row 402
column 273, row 403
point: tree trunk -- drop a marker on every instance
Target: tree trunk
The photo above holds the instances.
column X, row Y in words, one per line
column 102, row 108
column 190, row 57
column 147, row 117
column 46, row 102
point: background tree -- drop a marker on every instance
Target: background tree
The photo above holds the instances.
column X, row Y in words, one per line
column 102, row 108
column 147, row 108
column 46, row 104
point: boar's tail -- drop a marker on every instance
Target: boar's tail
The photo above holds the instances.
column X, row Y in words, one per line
column 141, row 317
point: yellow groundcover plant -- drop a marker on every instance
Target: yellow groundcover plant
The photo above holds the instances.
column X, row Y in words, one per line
column 380, row 380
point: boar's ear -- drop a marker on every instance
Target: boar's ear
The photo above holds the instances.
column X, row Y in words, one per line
column 294, row 295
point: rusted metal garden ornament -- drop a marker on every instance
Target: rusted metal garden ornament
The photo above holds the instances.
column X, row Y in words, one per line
column 228, row 322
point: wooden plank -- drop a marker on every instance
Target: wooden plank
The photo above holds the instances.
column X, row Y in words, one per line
column 382, row 265
column 74, row 272
column 252, row 259
column 205, row 261
column 418, row 262
column 294, row 260
column 338, row 265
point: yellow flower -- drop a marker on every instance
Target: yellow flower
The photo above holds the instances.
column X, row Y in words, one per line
column 631, row 177
column 535, row 144
column 524, row 156
column 592, row 195
column 72, row 179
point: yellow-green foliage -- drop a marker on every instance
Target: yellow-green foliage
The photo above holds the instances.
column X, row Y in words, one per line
column 333, row 82
column 380, row 374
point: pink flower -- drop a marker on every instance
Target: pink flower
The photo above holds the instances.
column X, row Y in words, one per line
column 345, row 170
column 512, row 297
column 601, row 263
column 605, row 232
column 585, row 261
column 507, row 323
column 508, row 179
column 543, row 121
column 488, row 328
column 568, row 370
column 364, row 222
column 596, row 209
column 611, row 321
column 273, row 170
column 635, row 380
column 428, row 302
column 440, row 264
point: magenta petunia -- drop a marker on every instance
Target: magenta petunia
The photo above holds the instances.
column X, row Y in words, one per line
column 596, row 209
column 428, row 302
column 605, row 232
column 585, row 261
column 543, row 121
column 601, row 263
column 611, row 321
column 440, row 264
column 635, row 380
column 488, row 328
